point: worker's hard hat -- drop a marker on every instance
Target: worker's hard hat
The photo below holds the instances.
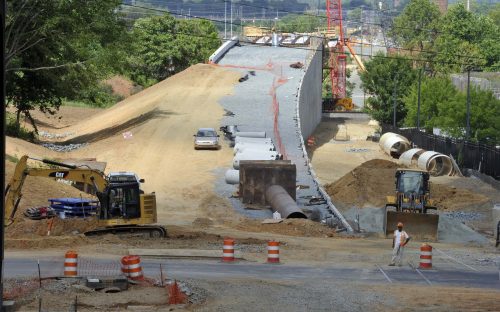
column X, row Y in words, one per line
column 400, row 224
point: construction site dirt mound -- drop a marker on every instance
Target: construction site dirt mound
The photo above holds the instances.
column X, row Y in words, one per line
column 290, row 227
column 58, row 227
column 369, row 184
column 365, row 186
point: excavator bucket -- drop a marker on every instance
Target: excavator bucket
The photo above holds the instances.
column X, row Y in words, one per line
column 420, row 226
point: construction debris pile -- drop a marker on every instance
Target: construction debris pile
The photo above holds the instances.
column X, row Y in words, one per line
column 368, row 185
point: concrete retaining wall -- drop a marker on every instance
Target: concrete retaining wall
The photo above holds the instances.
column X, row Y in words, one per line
column 310, row 94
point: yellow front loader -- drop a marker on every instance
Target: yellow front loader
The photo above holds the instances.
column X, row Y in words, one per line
column 412, row 205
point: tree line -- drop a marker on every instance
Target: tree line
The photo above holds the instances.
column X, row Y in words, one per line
column 433, row 46
column 63, row 50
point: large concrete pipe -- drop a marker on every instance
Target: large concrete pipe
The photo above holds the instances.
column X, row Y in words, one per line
column 232, row 176
column 251, row 134
column 266, row 146
column 253, row 155
column 394, row 144
column 282, row 202
column 410, row 157
column 239, row 139
column 435, row 163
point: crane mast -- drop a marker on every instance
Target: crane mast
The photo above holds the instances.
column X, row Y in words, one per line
column 337, row 60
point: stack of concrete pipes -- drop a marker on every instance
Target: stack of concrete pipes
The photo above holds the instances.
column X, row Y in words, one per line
column 250, row 146
column 398, row 146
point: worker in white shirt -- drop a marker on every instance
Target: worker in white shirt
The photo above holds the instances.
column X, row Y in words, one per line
column 399, row 241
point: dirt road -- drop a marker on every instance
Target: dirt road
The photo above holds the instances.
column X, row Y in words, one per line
column 162, row 121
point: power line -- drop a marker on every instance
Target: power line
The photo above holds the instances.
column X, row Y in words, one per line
column 241, row 25
column 325, row 17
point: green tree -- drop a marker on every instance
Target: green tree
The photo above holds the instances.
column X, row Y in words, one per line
column 293, row 23
column 434, row 92
column 484, row 117
column 444, row 107
column 56, row 49
column 164, row 46
column 467, row 38
column 494, row 14
column 416, row 26
column 382, row 77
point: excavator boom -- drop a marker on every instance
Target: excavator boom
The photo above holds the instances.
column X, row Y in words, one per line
column 123, row 205
column 13, row 192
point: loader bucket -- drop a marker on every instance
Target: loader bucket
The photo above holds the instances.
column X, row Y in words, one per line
column 420, row 226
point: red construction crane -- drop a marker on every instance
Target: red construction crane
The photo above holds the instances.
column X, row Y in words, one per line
column 337, row 61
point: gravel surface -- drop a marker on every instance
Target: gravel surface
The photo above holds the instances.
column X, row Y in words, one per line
column 308, row 295
column 252, row 106
column 63, row 148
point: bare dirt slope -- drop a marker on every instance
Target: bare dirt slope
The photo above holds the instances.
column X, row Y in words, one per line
column 162, row 120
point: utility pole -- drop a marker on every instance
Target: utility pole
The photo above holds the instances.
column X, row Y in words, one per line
column 225, row 20
column 394, row 94
column 418, row 98
column 231, row 18
column 467, row 130
column 3, row 11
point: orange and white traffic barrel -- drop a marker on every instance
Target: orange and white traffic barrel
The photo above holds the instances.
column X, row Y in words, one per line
column 134, row 267
column 311, row 141
column 425, row 256
column 273, row 252
column 124, row 265
column 228, row 250
column 70, row 263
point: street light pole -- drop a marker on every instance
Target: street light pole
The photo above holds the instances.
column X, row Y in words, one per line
column 394, row 94
column 467, row 130
column 418, row 98
column 3, row 11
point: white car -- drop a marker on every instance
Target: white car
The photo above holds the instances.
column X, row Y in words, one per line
column 206, row 138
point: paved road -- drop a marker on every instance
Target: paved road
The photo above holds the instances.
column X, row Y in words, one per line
column 216, row 270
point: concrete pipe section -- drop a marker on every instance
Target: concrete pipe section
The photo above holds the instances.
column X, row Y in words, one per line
column 394, row 144
column 435, row 163
column 251, row 134
column 239, row 139
column 411, row 156
column 249, row 146
column 253, row 155
column 232, row 176
column 282, row 202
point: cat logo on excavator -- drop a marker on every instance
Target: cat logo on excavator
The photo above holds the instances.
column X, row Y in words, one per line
column 411, row 206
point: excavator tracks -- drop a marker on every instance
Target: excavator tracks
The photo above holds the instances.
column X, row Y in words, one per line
column 151, row 231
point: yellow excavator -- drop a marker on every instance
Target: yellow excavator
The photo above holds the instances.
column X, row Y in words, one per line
column 411, row 205
column 124, row 208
